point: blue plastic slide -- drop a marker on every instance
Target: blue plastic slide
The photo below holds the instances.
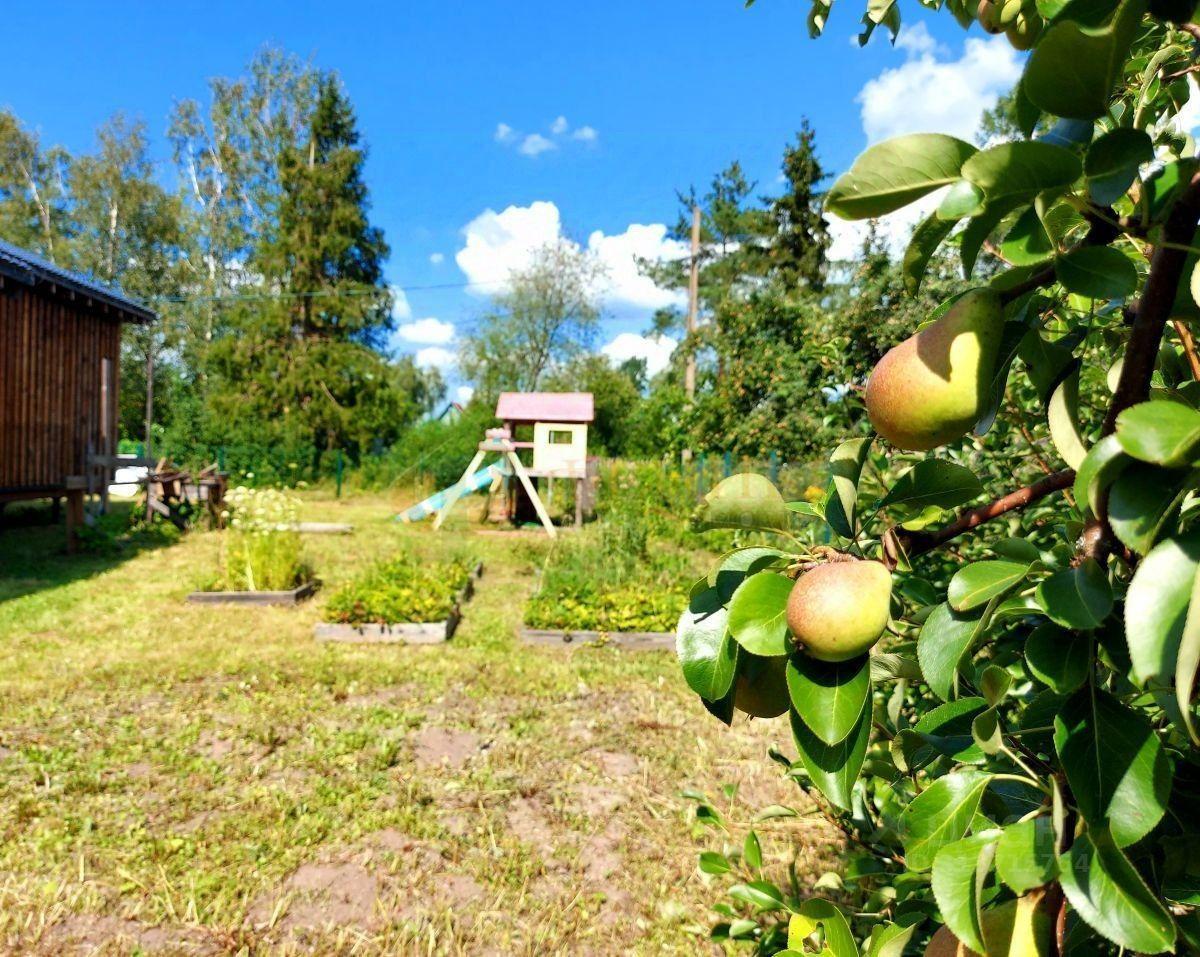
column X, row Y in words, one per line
column 480, row 480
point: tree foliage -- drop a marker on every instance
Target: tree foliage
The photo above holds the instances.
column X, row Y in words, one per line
column 264, row 265
column 546, row 317
column 1017, row 758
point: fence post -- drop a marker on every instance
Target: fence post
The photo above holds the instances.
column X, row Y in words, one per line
column 728, row 464
column 774, row 468
column 339, row 473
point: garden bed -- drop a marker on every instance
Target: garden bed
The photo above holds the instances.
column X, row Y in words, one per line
column 400, row 602
column 290, row 596
column 620, row 582
column 324, row 528
column 625, row 640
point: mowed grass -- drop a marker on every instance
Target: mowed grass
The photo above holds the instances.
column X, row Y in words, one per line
column 179, row 778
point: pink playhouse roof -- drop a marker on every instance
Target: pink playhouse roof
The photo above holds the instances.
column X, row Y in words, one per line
column 545, row 407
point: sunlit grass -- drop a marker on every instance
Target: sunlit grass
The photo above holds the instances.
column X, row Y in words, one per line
column 172, row 765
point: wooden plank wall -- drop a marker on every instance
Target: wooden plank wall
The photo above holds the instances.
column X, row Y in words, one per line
column 50, row 384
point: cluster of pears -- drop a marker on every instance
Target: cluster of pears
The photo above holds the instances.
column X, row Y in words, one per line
column 1018, row 20
column 927, row 391
column 1017, row 928
column 933, row 387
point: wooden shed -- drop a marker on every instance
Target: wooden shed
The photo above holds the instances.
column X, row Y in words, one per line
column 60, row 346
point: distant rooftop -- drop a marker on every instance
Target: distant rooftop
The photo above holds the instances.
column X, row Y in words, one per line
column 545, row 407
column 23, row 266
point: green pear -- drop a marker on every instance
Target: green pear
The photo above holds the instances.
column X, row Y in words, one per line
column 988, row 14
column 839, row 610
column 760, row 688
column 1025, row 30
column 932, row 387
column 1016, row 928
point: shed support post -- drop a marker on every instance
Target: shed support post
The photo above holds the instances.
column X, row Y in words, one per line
column 74, row 519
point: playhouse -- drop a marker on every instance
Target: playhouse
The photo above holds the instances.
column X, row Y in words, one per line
column 557, row 452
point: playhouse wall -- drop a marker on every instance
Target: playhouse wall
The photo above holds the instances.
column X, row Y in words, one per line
column 551, row 454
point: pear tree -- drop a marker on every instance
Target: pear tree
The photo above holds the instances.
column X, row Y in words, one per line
column 989, row 682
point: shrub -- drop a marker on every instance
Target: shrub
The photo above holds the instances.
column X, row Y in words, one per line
column 262, row 549
column 400, row 590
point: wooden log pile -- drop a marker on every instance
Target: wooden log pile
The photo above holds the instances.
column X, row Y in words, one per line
column 179, row 495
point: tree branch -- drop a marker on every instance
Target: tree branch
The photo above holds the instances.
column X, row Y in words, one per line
column 1189, row 347
column 1102, row 232
column 917, row 543
column 1154, row 309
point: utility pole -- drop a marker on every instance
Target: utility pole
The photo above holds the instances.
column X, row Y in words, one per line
column 693, row 306
column 148, row 451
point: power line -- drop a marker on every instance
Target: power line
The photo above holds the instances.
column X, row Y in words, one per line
column 339, row 293
column 321, row 293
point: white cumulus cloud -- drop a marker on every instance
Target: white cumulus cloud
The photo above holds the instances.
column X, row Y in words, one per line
column 435, row 357
column 463, row 394
column 496, row 244
column 557, row 134
column 427, row 331
column 656, row 350
column 932, row 91
column 623, row 283
column 535, row 144
column 401, row 310
column 437, row 258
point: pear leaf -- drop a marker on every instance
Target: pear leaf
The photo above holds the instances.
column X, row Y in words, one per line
column 894, row 173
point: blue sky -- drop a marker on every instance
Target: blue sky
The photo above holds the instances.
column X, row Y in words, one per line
column 654, row 96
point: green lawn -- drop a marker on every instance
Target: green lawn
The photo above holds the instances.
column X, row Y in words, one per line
column 187, row 779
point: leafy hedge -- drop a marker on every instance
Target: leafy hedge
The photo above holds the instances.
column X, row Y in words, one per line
column 400, row 590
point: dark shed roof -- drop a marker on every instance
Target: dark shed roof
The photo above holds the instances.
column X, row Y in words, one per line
column 23, row 266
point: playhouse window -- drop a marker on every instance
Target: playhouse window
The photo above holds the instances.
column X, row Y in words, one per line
column 561, row 437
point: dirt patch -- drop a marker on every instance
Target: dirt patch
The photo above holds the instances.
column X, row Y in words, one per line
column 394, row 695
column 445, row 747
column 319, row 895
column 619, row 908
column 458, row 822
column 196, row 822
column 142, row 769
column 595, row 800
column 88, row 933
column 615, row 764
column 455, row 890
column 416, row 853
column 214, row 747
column 601, row 853
column 528, row 822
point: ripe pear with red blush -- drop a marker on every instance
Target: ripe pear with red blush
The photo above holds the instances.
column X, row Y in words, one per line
column 838, row 610
column 933, row 387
